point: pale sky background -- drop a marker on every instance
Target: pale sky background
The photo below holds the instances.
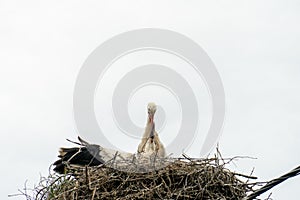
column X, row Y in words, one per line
column 255, row 46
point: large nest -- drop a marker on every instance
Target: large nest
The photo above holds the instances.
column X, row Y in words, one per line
column 182, row 179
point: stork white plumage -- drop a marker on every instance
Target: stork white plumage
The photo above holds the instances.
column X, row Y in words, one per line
column 150, row 143
column 92, row 154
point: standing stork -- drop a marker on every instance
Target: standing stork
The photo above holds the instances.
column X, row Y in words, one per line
column 150, row 143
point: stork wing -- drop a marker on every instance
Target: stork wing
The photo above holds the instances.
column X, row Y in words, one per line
column 89, row 155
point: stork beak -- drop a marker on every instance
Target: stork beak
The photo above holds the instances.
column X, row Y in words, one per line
column 151, row 117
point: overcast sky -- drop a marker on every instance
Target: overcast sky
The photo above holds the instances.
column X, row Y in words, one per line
column 255, row 46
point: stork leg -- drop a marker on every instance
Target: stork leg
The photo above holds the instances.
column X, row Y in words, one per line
column 141, row 147
column 156, row 142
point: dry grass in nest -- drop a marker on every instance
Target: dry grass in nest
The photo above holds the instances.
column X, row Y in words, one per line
column 182, row 179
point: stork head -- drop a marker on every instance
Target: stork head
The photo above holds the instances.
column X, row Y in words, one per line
column 151, row 111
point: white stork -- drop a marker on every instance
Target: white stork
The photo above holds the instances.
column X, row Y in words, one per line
column 90, row 155
column 151, row 144
column 93, row 155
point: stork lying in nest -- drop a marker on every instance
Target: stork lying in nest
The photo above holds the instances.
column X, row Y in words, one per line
column 94, row 155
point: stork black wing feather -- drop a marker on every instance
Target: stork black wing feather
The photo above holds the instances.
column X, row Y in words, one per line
column 82, row 156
